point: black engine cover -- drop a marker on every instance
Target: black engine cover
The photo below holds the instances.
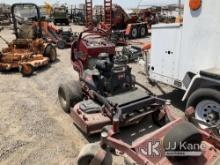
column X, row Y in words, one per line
column 108, row 78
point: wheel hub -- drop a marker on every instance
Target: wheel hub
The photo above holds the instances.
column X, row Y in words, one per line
column 208, row 111
column 142, row 31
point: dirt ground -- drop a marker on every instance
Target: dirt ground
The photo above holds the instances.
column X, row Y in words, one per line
column 33, row 127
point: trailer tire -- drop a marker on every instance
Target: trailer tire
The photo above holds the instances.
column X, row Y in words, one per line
column 142, row 31
column 26, row 70
column 61, row 44
column 183, row 132
column 69, row 94
column 50, row 52
column 204, row 101
column 134, row 32
column 89, row 152
column 67, row 23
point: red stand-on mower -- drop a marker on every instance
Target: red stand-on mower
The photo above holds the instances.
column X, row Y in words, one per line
column 105, row 92
column 178, row 142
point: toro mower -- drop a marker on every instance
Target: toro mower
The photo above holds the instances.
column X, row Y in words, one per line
column 105, row 92
column 28, row 51
column 178, row 142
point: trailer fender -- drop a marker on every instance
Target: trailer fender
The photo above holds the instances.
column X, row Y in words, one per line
column 199, row 81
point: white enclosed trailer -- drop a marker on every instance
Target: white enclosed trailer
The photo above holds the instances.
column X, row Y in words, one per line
column 187, row 56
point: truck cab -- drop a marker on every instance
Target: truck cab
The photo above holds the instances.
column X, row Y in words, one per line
column 185, row 55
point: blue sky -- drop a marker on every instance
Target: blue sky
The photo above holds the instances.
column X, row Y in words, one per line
column 123, row 3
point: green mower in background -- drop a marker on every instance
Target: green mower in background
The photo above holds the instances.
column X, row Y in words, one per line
column 60, row 15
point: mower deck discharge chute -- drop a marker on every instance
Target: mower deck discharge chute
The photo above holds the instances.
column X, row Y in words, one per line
column 28, row 51
column 105, row 91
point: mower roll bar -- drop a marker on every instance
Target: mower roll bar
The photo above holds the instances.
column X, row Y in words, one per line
column 15, row 21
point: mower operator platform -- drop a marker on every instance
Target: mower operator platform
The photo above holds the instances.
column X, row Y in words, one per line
column 134, row 106
column 129, row 96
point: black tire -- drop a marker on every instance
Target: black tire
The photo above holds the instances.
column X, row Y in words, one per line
column 159, row 122
column 69, row 94
column 203, row 94
column 184, row 132
column 26, row 70
column 89, row 152
column 143, row 31
column 67, row 23
column 129, row 161
column 134, row 32
column 61, row 44
column 51, row 53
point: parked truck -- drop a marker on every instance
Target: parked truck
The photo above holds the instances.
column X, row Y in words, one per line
column 186, row 56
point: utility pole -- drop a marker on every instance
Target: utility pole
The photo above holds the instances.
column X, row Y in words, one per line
column 179, row 4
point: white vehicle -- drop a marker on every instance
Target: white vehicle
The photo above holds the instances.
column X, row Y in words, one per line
column 187, row 56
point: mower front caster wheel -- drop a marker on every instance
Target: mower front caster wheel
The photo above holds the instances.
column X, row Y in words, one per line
column 158, row 119
column 26, row 70
column 69, row 94
column 94, row 151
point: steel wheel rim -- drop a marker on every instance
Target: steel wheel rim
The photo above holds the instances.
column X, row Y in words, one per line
column 207, row 111
column 143, row 31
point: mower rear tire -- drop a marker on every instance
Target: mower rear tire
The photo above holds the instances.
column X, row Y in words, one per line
column 88, row 153
column 69, row 94
column 51, row 53
column 61, row 44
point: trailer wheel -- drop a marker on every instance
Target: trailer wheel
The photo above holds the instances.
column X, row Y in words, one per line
column 26, row 70
column 61, row 44
column 134, row 32
column 88, row 153
column 50, row 52
column 143, row 31
column 69, row 94
column 183, row 133
column 206, row 103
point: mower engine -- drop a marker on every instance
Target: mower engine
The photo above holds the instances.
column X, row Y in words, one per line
column 108, row 78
